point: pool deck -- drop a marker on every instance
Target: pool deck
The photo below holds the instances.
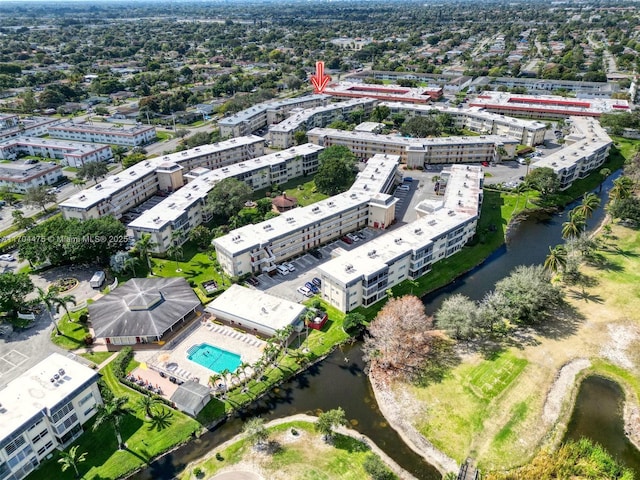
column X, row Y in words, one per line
column 173, row 360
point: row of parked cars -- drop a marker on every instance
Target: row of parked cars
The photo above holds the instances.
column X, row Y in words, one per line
column 310, row 288
column 350, row 238
column 286, row 268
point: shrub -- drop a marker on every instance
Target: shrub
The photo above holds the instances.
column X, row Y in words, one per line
column 84, row 317
column 88, row 339
column 120, row 363
column 198, row 472
column 376, row 468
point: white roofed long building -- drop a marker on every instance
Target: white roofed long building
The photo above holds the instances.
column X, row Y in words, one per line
column 127, row 189
column 418, row 152
column 185, row 209
column 258, row 248
column 72, row 154
column 126, row 135
column 42, row 410
column 363, row 275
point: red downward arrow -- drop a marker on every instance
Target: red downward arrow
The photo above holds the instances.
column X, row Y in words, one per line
column 320, row 80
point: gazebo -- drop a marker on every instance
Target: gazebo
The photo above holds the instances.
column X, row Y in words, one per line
column 143, row 310
column 283, row 203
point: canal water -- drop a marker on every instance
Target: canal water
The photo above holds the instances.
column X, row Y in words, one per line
column 598, row 415
column 339, row 381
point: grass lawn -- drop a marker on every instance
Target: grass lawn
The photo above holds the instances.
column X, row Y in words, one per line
column 96, row 357
column 73, row 332
column 492, row 409
column 302, row 188
column 305, row 456
column 162, row 136
column 144, row 439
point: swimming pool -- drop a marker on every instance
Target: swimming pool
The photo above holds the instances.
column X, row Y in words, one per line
column 214, row 358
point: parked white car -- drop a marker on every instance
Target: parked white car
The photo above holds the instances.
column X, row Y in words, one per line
column 282, row 270
column 404, row 188
column 353, row 237
column 289, row 266
column 7, row 258
column 305, row 291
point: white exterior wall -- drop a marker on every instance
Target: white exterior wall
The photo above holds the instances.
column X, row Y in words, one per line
column 129, row 137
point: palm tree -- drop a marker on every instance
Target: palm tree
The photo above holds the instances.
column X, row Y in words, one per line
column 590, row 202
column 144, row 247
column 575, row 226
column 557, row 259
column 49, row 299
column 71, row 459
column 118, row 152
column 131, row 263
column 60, row 302
column 243, row 366
column 223, row 376
column 113, row 411
column 145, row 403
column 604, row 173
column 622, row 188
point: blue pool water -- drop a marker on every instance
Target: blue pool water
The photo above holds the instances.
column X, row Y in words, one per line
column 213, row 358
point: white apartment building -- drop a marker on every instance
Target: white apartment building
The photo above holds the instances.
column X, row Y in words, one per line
column 8, row 121
column 546, row 106
column 14, row 126
column 72, row 154
column 388, row 93
column 363, row 275
column 129, row 188
column 185, row 209
column 259, row 116
column 540, row 85
column 281, row 135
column 258, row 248
column 20, row 176
column 527, row 132
column 42, row 410
column 419, row 152
column 586, row 148
column 126, row 135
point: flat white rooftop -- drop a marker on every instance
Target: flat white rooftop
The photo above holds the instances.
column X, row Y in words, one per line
column 263, row 233
column 413, row 143
column 390, row 92
column 474, row 112
column 294, row 121
column 33, row 392
column 18, row 170
column 549, row 103
column 460, row 204
column 587, row 136
column 256, row 306
column 120, row 181
column 172, row 207
column 70, row 147
column 249, row 113
column 101, row 128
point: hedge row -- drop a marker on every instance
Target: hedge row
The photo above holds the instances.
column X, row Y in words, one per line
column 119, row 365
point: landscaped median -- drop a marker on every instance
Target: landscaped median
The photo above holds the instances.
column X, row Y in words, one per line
column 295, row 451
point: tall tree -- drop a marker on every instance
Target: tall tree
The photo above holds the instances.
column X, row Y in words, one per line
column 590, row 203
column 256, row 432
column 380, row 113
column 400, row 339
column 13, row 288
column 146, row 403
column 60, row 301
column 336, row 171
column 39, row 196
column 458, row 316
column 556, row 261
column 113, row 412
column 328, row 421
column 6, row 195
column 144, row 247
column 622, row 188
column 227, row 198
column 604, row 174
column 543, row 179
column 20, row 221
column 118, row 152
column 52, row 300
column 71, row 459
column 93, row 171
column 575, row 225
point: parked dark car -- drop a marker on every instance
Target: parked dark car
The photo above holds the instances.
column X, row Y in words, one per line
column 253, row 281
column 316, row 281
column 316, row 253
column 347, row 240
column 312, row 287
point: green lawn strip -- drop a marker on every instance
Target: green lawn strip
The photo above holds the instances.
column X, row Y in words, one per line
column 628, row 379
column 303, row 188
column 506, row 433
column 298, row 459
column 96, row 357
column 144, row 440
column 477, row 390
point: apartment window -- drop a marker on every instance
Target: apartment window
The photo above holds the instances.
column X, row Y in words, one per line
column 20, row 456
column 14, row 445
column 86, row 398
column 40, row 436
column 61, row 412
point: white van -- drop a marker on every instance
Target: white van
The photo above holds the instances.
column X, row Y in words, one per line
column 97, row 280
